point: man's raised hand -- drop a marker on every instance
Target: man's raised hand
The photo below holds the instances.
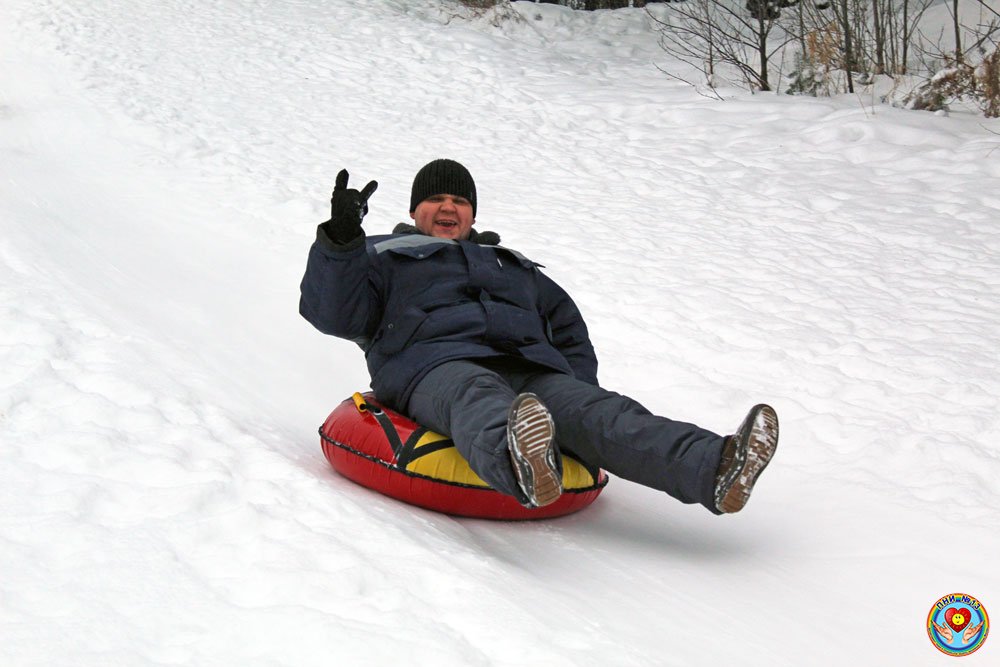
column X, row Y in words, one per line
column 347, row 208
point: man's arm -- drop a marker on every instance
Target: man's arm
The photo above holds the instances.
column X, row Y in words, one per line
column 339, row 289
column 568, row 331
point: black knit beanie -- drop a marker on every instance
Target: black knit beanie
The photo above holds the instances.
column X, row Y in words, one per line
column 443, row 177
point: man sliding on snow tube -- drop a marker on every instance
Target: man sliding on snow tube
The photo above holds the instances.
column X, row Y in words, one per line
column 472, row 340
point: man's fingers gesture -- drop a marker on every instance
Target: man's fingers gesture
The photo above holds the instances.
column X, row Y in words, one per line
column 347, row 208
column 341, row 184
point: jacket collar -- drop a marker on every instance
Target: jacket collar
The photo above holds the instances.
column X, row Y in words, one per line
column 482, row 238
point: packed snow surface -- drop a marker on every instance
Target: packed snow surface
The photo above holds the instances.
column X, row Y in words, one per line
column 163, row 496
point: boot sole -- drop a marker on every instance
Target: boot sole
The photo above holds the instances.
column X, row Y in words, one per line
column 530, row 435
column 751, row 459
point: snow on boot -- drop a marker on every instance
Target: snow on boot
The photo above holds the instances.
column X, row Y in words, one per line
column 533, row 452
column 744, row 456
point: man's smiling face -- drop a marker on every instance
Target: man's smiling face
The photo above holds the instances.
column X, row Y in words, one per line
column 444, row 216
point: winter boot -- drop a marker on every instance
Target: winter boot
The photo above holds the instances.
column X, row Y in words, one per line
column 745, row 454
column 533, row 452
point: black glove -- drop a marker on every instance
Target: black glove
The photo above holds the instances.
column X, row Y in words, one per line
column 347, row 208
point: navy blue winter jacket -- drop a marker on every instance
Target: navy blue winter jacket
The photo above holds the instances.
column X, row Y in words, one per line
column 413, row 302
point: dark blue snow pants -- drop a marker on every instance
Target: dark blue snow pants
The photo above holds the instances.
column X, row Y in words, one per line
column 468, row 401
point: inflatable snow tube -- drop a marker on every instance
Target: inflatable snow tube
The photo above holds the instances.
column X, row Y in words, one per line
column 389, row 453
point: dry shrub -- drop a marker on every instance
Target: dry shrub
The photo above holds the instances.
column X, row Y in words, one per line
column 823, row 46
column 988, row 74
column 814, row 69
column 494, row 11
column 951, row 83
column 960, row 80
column 479, row 4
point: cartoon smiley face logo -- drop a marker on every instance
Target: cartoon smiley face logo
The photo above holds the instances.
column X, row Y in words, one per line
column 958, row 624
column 957, row 618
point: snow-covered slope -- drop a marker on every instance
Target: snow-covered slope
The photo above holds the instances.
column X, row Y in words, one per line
column 163, row 497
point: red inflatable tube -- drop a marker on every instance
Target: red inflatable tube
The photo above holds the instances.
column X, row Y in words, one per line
column 389, row 453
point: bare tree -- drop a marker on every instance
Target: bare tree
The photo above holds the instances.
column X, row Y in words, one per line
column 958, row 31
column 836, row 43
column 969, row 71
column 845, row 22
column 706, row 33
column 848, row 37
column 878, row 26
